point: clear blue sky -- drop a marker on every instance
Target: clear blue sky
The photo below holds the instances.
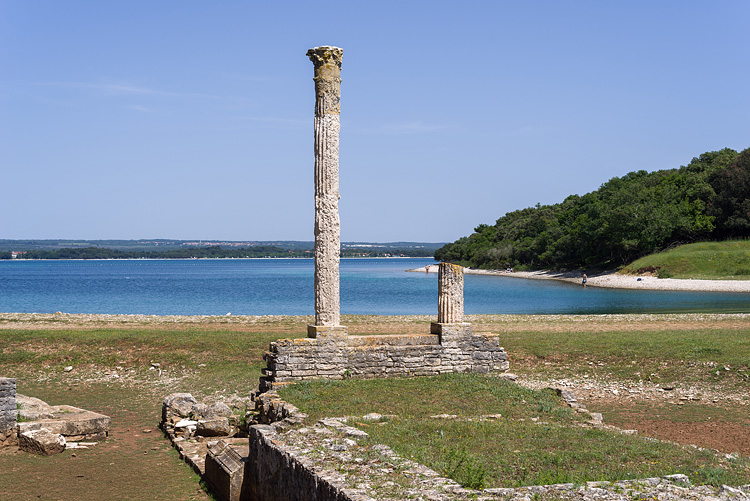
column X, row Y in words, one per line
column 193, row 119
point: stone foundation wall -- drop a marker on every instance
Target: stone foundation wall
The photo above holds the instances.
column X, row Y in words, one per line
column 366, row 357
column 275, row 474
column 8, row 412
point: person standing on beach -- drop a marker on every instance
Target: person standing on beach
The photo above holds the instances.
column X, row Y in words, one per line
column 584, row 279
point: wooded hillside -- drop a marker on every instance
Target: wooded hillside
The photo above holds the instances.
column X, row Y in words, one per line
column 626, row 218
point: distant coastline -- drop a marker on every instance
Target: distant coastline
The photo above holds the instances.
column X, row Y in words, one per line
column 118, row 249
column 612, row 280
column 207, row 258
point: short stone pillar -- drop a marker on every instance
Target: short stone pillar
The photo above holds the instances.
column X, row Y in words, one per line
column 450, row 302
column 327, row 62
column 8, row 412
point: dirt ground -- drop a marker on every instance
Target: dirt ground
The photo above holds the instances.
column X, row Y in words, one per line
column 135, row 462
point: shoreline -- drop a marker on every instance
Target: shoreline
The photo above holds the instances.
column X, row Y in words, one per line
column 612, row 280
column 203, row 258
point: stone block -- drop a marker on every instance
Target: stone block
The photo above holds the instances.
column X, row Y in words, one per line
column 7, row 385
column 327, row 332
column 177, row 404
column 75, row 424
column 213, row 427
column 41, row 441
column 459, row 329
column 225, row 469
column 304, row 374
column 7, row 403
column 212, row 411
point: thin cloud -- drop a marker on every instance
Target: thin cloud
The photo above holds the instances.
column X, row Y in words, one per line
column 125, row 89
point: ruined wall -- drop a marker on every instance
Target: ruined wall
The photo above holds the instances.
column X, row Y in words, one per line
column 8, row 411
column 366, row 357
column 275, row 474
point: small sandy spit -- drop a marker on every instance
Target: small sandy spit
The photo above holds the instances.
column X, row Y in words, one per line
column 613, row 280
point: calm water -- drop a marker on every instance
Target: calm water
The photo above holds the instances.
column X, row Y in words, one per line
column 285, row 287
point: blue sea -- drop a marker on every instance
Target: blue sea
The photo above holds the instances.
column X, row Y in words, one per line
column 285, row 287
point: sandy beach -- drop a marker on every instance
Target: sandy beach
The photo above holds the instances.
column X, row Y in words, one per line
column 613, row 280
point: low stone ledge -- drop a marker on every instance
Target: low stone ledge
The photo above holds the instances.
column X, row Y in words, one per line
column 456, row 349
column 71, row 422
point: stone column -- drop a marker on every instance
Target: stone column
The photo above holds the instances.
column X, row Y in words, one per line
column 450, row 293
column 450, row 320
column 327, row 62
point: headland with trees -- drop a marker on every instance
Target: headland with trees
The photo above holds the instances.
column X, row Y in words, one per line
column 626, row 218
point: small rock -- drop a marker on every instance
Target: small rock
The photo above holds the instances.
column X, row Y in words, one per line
column 184, row 423
column 725, row 489
column 68, row 368
column 155, row 365
column 354, row 432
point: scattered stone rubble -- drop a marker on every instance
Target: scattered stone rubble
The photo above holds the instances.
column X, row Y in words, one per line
column 278, row 456
column 40, row 428
column 191, row 425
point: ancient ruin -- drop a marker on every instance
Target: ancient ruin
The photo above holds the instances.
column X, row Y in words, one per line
column 450, row 321
column 327, row 61
column 40, row 428
column 262, row 467
column 329, row 352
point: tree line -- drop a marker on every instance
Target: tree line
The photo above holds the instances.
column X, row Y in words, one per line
column 626, row 218
column 212, row 251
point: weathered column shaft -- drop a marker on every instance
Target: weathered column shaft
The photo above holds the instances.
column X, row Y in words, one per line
column 450, row 293
column 327, row 61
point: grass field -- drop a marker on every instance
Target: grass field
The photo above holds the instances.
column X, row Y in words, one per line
column 678, row 377
column 705, row 260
